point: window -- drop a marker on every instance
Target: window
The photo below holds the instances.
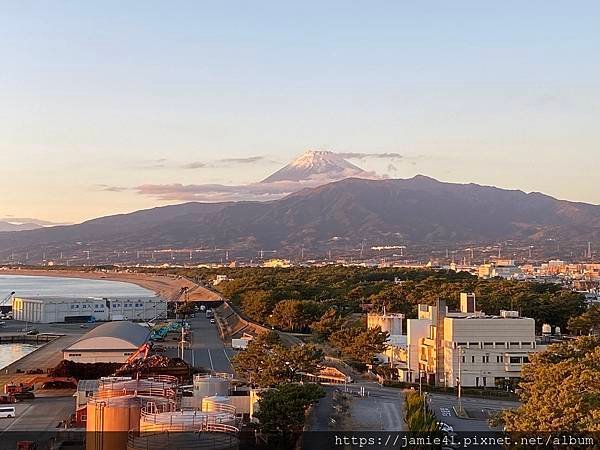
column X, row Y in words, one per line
column 463, row 359
column 500, row 344
column 515, row 360
column 500, row 359
column 74, row 354
column 473, row 359
column 473, row 344
column 486, row 359
column 515, row 344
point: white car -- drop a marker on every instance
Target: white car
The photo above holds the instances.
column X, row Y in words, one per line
column 445, row 427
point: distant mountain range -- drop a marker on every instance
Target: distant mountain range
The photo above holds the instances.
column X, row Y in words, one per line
column 419, row 212
column 9, row 226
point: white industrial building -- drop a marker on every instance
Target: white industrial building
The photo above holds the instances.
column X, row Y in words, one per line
column 67, row 309
column 109, row 342
column 468, row 347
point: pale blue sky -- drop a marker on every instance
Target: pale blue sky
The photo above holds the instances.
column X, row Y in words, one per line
column 122, row 94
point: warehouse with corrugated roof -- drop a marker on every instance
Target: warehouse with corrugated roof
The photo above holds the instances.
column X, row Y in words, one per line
column 109, row 342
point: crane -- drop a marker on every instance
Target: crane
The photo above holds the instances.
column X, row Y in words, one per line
column 141, row 352
column 6, row 299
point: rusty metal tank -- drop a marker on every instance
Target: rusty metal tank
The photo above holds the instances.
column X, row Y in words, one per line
column 110, row 418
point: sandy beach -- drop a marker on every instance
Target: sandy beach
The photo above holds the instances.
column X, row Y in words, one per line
column 169, row 287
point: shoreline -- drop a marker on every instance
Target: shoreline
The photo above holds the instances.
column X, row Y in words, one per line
column 168, row 287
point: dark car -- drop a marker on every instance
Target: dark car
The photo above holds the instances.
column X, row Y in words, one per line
column 24, row 395
column 32, row 332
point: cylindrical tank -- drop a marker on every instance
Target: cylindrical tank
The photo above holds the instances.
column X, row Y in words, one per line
column 143, row 387
column 109, row 419
column 391, row 322
column 214, row 437
column 180, row 421
column 208, row 385
column 217, row 403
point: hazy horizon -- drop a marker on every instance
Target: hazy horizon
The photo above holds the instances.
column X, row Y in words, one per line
column 99, row 102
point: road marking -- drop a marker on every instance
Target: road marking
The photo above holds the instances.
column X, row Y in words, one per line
column 227, row 356
column 446, row 412
column 17, row 419
column 211, row 361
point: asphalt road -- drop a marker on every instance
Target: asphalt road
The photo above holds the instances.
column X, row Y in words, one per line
column 442, row 406
column 207, row 349
column 34, row 420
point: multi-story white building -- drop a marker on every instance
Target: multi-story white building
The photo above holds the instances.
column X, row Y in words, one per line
column 503, row 268
column 468, row 347
column 67, row 309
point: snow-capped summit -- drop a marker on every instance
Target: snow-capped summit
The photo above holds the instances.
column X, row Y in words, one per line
column 316, row 164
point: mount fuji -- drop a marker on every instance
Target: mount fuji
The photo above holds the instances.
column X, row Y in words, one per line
column 317, row 165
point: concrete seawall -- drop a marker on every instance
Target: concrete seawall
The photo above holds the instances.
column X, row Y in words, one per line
column 45, row 357
column 232, row 324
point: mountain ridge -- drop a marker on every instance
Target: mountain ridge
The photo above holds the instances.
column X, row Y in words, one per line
column 418, row 211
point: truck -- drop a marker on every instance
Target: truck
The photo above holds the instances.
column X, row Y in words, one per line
column 241, row 343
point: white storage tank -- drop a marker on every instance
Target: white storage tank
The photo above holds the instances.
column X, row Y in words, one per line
column 390, row 322
column 546, row 329
column 217, row 403
column 209, row 385
column 150, row 387
column 181, row 421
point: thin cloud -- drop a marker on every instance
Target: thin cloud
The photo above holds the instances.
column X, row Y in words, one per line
column 29, row 220
column 224, row 162
column 108, row 188
column 248, row 160
column 358, row 155
column 249, row 192
column 194, row 165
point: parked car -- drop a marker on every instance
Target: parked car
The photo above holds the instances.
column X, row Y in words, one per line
column 32, row 332
column 445, row 427
column 24, row 395
column 158, row 349
column 212, row 320
column 6, row 412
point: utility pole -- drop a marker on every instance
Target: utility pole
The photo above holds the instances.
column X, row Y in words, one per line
column 459, row 378
column 182, row 340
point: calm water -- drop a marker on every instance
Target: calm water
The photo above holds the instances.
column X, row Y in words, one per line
column 10, row 353
column 26, row 286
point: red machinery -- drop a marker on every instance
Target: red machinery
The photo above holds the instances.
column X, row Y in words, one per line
column 140, row 352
